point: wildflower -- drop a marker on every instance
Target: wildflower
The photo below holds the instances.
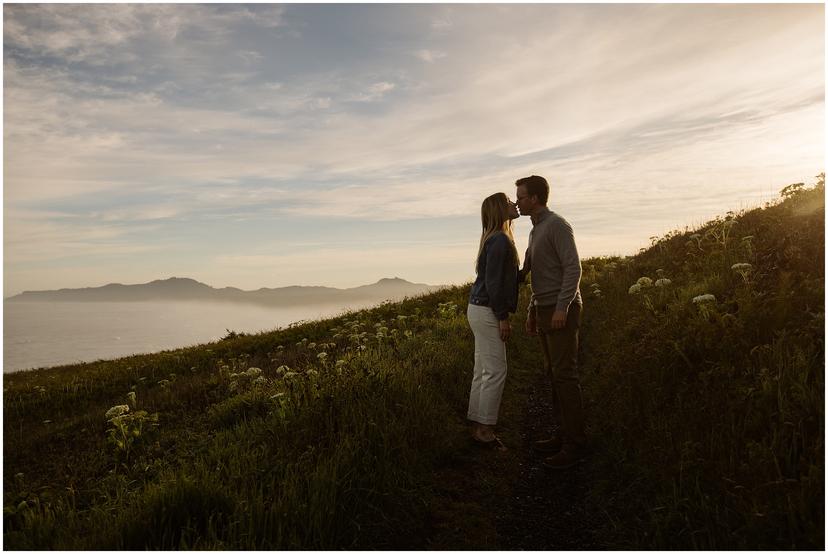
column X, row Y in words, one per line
column 634, row 289
column 312, row 345
column 747, row 238
column 663, row 282
column 289, row 374
column 131, row 397
column 322, row 356
column 164, row 383
column 282, row 368
column 704, row 299
column 259, row 380
column 340, row 363
column 312, row 372
column 116, row 411
column 742, row 269
column 280, row 347
column 595, row 285
column 644, row 282
column 299, row 344
column 596, row 292
column 253, row 372
column 660, row 272
column 408, row 333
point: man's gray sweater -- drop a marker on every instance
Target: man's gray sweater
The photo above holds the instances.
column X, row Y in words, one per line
column 553, row 261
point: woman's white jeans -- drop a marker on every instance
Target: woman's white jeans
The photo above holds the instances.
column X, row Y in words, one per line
column 489, row 365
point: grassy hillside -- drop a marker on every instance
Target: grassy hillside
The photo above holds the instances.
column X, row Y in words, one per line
column 708, row 417
column 712, row 410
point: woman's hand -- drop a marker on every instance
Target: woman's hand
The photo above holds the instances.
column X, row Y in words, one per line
column 505, row 330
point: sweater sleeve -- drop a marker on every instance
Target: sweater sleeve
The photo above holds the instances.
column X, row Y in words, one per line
column 564, row 242
column 498, row 258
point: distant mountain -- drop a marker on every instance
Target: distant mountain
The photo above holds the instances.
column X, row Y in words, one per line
column 177, row 288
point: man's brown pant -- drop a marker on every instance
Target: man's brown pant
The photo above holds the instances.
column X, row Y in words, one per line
column 560, row 352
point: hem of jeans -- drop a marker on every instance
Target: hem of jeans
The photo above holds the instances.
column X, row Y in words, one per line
column 482, row 420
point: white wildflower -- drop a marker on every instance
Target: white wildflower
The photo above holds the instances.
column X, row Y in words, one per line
column 663, row 282
column 253, row 372
column 322, row 356
column 595, row 285
column 260, row 380
column 340, row 363
column 741, row 267
column 131, row 397
column 704, row 299
column 634, row 289
column 116, row 411
column 312, row 345
column 644, row 282
column 312, row 372
column 282, row 368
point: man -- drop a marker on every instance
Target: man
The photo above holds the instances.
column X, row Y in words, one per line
column 555, row 315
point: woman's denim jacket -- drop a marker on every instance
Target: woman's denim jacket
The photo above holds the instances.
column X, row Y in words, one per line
column 496, row 285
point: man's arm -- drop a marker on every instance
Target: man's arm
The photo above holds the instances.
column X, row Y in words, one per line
column 564, row 241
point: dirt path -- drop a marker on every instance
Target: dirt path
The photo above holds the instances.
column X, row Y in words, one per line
column 548, row 509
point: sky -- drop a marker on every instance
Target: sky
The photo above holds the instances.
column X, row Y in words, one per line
column 271, row 145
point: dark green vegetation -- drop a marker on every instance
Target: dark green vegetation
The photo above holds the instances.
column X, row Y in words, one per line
column 707, row 417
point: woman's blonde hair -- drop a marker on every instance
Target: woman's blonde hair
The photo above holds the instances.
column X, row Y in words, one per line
column 494, row 214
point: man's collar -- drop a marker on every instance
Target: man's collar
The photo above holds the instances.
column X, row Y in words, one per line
column 542, row 214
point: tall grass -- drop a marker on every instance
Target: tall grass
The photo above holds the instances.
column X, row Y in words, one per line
column 712, row 413
column 326, row 447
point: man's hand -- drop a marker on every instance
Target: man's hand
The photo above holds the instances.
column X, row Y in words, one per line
column 559, row 319
column 531, row 326
column 505, row 329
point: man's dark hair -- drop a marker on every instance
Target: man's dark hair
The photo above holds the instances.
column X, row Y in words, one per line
column 535, row 186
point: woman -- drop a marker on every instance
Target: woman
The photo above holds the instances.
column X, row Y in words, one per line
column 493, row 296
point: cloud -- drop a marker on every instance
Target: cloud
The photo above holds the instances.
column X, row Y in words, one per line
column 429, row 55
column 375, row 92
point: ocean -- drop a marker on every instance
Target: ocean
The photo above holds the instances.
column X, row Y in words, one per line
column 44, row 334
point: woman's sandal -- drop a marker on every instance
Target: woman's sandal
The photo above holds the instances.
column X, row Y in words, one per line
column 494, row 444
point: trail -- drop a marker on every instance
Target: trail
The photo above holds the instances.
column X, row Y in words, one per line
column 547, row 509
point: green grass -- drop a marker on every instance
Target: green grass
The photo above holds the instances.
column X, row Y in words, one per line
column 708, row 421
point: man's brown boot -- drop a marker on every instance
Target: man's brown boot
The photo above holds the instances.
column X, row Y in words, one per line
column 548, row 446
column 568, row 457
